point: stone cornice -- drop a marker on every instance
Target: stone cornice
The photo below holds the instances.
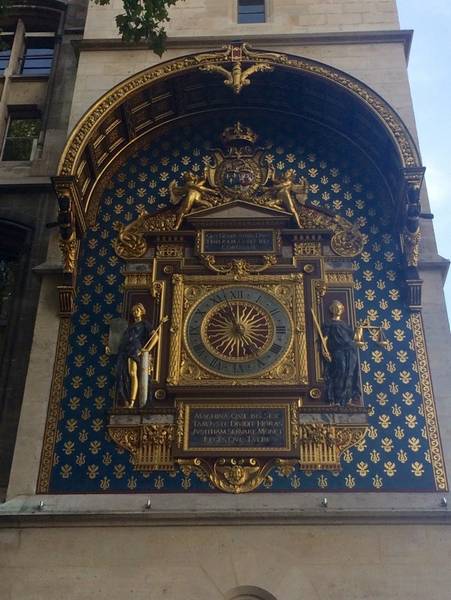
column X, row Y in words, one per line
column 122, row 510
column 230, row 518
column 24, row 181
column 402, row 36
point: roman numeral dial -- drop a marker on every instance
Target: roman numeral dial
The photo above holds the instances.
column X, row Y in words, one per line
column 238, row 331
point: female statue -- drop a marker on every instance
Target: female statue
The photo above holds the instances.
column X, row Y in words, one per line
column 133, row 340
column 341, row 365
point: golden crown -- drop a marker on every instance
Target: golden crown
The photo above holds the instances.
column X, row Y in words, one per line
column 240, row 133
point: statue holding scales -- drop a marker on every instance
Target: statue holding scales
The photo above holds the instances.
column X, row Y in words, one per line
column 339, row 352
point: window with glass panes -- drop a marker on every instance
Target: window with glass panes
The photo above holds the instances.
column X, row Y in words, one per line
column 251, row 11
column 21, row 137
column 38, row 55
column 6, row 42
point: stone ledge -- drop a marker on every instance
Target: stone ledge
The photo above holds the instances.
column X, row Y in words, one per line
column 151, row 518
column 402, row 36
column 118, row 510
column 25, row 182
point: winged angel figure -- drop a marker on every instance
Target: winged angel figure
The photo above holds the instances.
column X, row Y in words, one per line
column 284, row 193
column 189, row 195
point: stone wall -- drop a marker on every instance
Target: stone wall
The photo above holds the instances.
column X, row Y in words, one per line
column 291, row 562
column 219, row 17
column 27, row 198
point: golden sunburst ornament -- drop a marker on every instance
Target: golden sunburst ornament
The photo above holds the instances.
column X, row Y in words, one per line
column 237, row 331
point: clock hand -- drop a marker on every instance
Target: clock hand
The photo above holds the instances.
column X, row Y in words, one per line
column 249, row 343
column 230, row 309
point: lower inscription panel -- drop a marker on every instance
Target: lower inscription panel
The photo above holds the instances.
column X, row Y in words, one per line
column 237, row 428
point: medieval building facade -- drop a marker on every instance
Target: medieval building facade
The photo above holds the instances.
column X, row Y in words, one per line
column 221, row 310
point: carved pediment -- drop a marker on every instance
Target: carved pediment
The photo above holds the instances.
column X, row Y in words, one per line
column 241, row 214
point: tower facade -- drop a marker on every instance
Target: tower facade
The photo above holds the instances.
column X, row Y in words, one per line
column 239, row 360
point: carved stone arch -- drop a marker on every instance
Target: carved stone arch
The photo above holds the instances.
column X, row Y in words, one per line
column 249, row 592
column 173, row 92
column 182, row 87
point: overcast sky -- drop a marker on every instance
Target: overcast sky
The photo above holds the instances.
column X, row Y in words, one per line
column 429, row 72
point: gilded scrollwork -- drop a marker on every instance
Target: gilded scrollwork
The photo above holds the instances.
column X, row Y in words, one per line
column 169, row 251
column 411, row 244
column 69, row 248
column 349, row 436
column 347, row 239
column 239, row 267
column 150, row 445
column 307, row 249
column 54, row 410
column 294, row 425
column 180, row 424
column 131, row 242
column 126, row 437
column 176, row 329
column 232, row 475
column 322, row 444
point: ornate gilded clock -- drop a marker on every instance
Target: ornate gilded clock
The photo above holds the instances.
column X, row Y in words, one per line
column 240, row 332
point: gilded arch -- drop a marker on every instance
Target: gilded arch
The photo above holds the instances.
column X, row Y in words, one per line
column 111, row 123
column 120, row 93
column 186, row 87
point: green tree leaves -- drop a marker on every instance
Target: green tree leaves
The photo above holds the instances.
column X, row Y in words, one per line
column 143, row 20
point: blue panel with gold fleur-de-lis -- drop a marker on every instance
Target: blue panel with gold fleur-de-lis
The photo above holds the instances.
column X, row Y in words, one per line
column 397, row 452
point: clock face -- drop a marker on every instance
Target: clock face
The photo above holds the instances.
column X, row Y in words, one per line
column 238, row 331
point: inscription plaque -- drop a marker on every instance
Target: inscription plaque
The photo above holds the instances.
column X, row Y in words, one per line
column 242, row 428
column 238, row 242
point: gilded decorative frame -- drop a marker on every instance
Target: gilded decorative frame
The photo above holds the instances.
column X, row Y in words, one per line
column 183, row 423
column 291, row 369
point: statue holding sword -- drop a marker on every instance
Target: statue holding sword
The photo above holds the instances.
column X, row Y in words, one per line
column 134, row 364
